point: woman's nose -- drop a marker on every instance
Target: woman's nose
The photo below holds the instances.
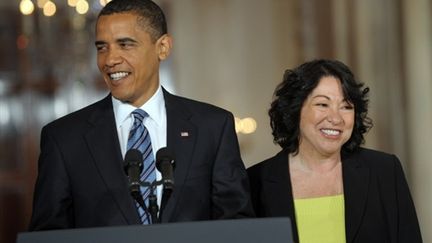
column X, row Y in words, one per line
column 334, row 116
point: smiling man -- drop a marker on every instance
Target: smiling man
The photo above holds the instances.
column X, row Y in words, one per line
column 81, row 180
column 128, row 56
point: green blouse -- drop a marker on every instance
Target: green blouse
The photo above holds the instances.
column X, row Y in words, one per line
column 321, row 219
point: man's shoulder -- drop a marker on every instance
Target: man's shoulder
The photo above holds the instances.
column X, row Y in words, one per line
column 80, row 117
column 194, row 106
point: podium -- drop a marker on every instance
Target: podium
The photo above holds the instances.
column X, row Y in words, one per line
column 263, row 230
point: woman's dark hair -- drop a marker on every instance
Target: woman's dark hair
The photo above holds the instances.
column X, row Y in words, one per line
column 295, row 88
column 151, row 16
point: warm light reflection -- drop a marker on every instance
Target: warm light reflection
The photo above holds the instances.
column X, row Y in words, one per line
column 41, row 3
column 247, row 125
column 237, row 124
column 82, row 6
column 26, row 7
column 49, row 9
column 72, row 3
column 104, row 2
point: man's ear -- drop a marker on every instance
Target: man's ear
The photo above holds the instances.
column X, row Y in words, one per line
column 164, row 44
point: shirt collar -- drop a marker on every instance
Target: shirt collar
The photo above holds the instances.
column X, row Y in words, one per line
column 154, row 107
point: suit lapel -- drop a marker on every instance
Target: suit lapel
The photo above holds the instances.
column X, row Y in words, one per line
column 181, row 138
column 356, row 186
column 276, row 180
column 104, row 146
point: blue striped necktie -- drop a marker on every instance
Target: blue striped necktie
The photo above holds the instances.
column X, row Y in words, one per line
column 139, row 138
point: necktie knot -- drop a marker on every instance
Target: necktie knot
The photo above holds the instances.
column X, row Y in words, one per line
column 139, row 115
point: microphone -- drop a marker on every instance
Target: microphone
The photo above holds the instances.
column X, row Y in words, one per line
column 165, row 165
column 133, row 166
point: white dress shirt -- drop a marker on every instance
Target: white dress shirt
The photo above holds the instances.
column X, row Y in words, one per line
column 155, row 122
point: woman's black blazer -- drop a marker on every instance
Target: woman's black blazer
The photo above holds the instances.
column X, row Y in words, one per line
column 378, row 203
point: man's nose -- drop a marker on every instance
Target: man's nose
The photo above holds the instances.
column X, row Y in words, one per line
column 113, row 58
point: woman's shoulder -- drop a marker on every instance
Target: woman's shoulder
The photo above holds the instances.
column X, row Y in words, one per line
column 374, row 159
column 270, row 167
column 372, row 154
column 278, row 158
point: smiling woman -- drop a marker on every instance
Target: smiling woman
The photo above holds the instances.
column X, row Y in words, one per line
column 319, row 118
column 326, row 119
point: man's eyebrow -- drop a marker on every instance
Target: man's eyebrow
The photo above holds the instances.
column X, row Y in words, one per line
column 120, row 40
column 98, row 43
column 126, row 39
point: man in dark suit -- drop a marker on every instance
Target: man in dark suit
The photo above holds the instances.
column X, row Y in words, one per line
column 81, row 181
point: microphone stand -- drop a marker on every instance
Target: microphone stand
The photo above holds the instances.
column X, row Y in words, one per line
column 153, row 207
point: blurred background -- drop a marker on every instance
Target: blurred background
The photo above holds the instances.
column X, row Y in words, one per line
column 231, row 53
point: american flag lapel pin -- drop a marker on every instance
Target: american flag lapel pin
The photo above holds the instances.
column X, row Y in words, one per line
column 184, row 134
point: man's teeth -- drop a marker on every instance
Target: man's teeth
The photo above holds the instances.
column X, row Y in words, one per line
column 119, row 75
column 330, row 132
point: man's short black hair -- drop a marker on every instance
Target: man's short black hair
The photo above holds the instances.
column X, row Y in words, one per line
column 150, row 15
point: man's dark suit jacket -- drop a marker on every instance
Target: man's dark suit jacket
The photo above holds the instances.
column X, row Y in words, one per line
column 81, row 181
column 378, row 204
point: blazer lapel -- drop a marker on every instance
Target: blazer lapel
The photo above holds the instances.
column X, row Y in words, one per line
column 104, row 146
column 356, row 185
column 276, row 180
column 181, row 138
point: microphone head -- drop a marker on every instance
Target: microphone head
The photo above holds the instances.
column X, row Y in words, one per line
column 164, row 154
column 133, row 157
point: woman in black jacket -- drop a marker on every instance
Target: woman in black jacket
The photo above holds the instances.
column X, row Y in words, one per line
column 331, row 188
